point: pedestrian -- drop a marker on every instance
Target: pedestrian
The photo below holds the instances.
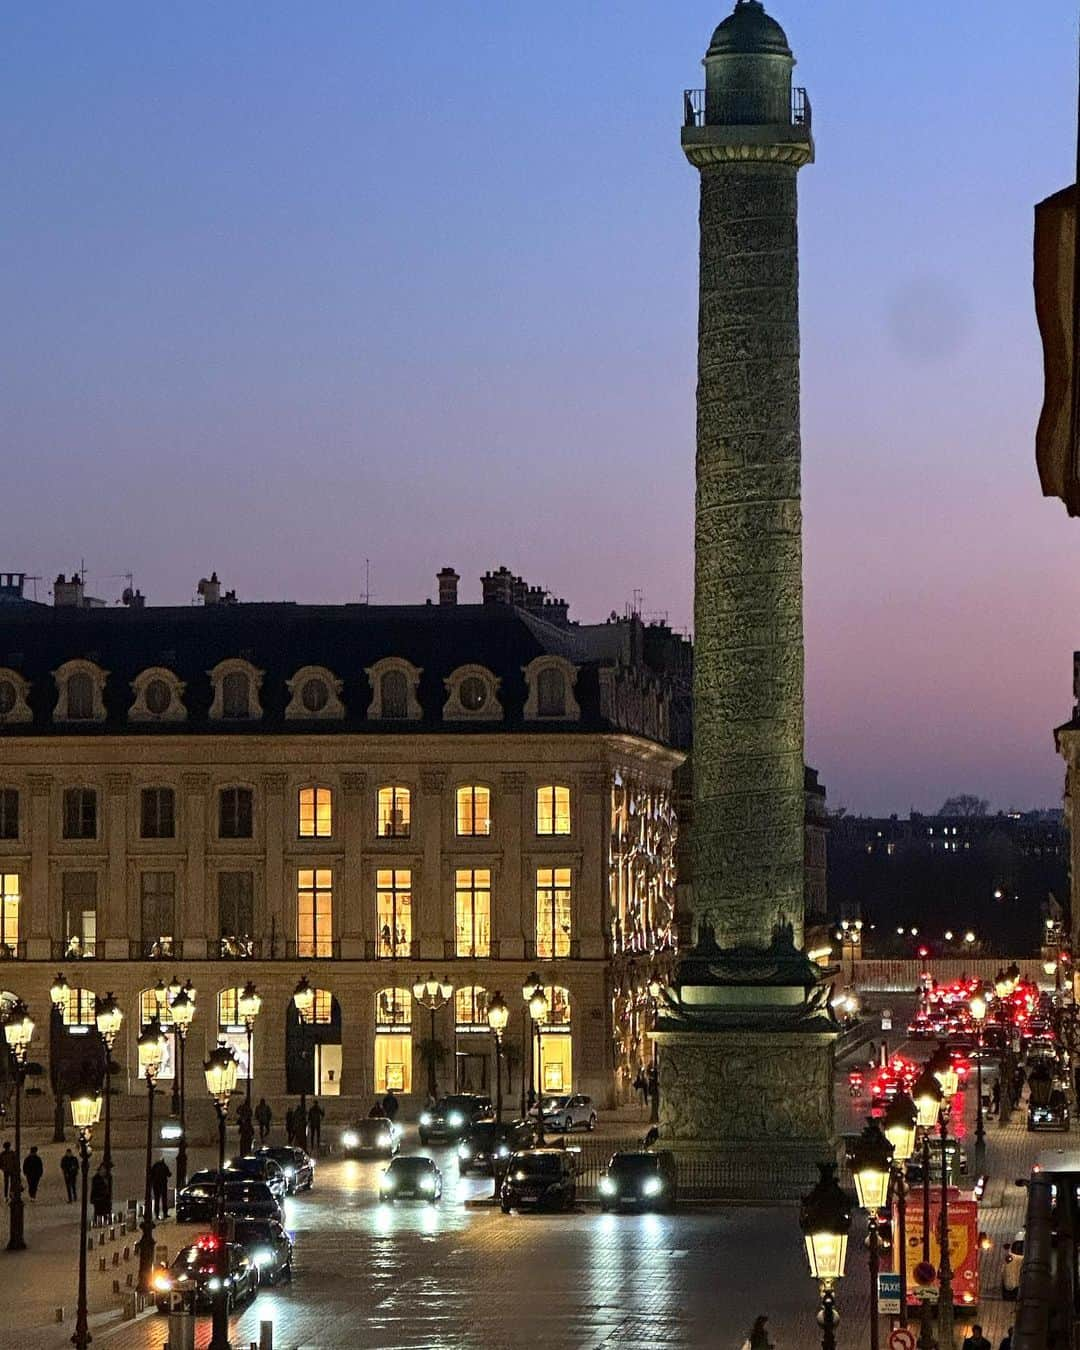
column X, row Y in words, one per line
column 159, row 1186
column 759, row 1337
column 641, row 1087
column 290, row 1125
column 33, row 1169
column 315, row 1120
column 1006, row 1340
column 390, row 1104
column 377, row 1112
column 69, row 1165
column 977, row 1341
column 654, row 1084
column 9, row 1165
column 300, row 1125
column 995, row 1098
column 245, row 1128
column 264, row 1116
column 99, row 1196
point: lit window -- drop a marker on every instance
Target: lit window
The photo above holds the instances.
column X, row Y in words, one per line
column 472, row 908
column 80, row 813
column 79, row 1008
column 552, row 912
column 158, row 813
column 9, row 813
column 393, row 1041
column 236, row 914
column 555, row 1067
column 473, row 810
column 470, row 1007
column 158, row 913
column 394, row 910
column 232, row 1031
column 552, row 810
column 395, row 812
column 9, row 913
column 322, row 1009
column 314, row 912
column 79, row 891
column 316, row 813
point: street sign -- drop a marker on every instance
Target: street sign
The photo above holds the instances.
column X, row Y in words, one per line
column 903, row 1338
column 177, row 1301
column 888, row 1285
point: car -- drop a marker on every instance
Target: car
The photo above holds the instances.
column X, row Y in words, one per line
column 268, row 1245
column 252, row 1200
column 371, row 1137
column 203, row 1270
column 487, row 1142
column 646, row 1179
column 259, row 1167
column 451, row 1116
column 412, row 1177
column 544, row 1178
column 1011, row 1267
column 1050, row 1115
column 298, row 1166
column 197, row 1201
column 567, row 1112
column 957, row 1160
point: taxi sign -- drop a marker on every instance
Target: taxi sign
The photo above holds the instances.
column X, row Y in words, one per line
column 903, row 1338
column 888, row 1293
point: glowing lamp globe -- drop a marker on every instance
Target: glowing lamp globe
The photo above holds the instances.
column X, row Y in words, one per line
column 59, row 992
column 108, row 1018
column 18, row 1031
column 928, row 1096
column 183, row 1010
column 977, row 1007
column 871, row 1165
column 538, row 1005
column 248, row 1003
column 498, row 1014
column 532, row 980
column 445, row 990
column 304, row 999
column 151, row 1046
column 900, row 1123
column 221, row 1071
column 86, row 1110
column 825, row 1220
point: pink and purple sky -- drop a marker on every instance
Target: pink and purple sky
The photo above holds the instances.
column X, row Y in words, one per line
column 289, row 286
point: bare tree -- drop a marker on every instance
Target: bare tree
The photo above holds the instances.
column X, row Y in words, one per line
column 964, row 805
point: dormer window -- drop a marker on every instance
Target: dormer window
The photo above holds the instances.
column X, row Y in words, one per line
column 80, row 685
column 551, row 681
column 236, row 692
column 315, row 696
column 472, row 696
column 13, row 692
column 159, row 697
column 394, row 682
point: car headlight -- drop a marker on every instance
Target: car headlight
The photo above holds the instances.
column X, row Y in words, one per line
column 425, row 1117
column 263, row 1256
column 291, row 1171
column 350, row 1139
column 214, row 1284
column 163, row 1283
column 653, row 1186
column 455, row 1118
column 388, row 1183
column 464, row 1151
column 502, row 1151
column 427, row 1183
column 607, row 1186
column 519, row 1176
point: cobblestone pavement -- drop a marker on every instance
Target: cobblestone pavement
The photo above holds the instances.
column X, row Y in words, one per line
column 418, row 1276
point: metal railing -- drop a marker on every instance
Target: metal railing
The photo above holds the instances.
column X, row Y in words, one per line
column 736, row 107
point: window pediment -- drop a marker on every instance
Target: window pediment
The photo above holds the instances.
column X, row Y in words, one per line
column 159, row 696
column 80, row 692
column 14, row 692
column 472, row 695
column 315, row 696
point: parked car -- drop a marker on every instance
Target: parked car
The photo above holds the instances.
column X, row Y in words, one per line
column 371, row 1137
column 452, row 1116
column 298, row 1166
column 645, row 1179
column 1050, row 1115
column 269, row 1247
column 1011, row 1267
column 197, row 1201
column 259, row 1167
column 411, row 1178
column 544, row 1178
column 567, row 1112
column 486, row 1142
column 203, row 1269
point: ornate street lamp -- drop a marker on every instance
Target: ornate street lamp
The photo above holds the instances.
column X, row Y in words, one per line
column 58, row 995
column 151, row 1046
column 656, row 988
column 304, row 1002
column 825, row 1220
column 248, row 1006
column 871, row 1168
column 977, row 1008
column 221, row 1072
column 538, row 1011
column 85, row 1114
column 18, row 1032
column 108, row 1016
column 183, row 1011
column 433, row 994
column 498, row 1014
column 900, row 1124
column 928, row 1098
column 530, row 983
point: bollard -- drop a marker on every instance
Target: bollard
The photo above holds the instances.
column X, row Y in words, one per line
column 129, row 1307
column 89, row 1246
column 129, row 1280
column 127, row 1253
column 266, row 1336
column 101, row 1264
column 59, row 1314
column 112, row 1234
column 116, row 1258
column 101, row 1240
column 116, row 1286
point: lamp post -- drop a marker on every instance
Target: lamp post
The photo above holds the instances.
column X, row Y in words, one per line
column 151, row 1052
column 928, row 1098
column 656, row 988
column 871, row 1168
column 18, row 1031
column 948, row 1081
column 497, row 1015
column 900, row 1123
column 59, row 993
column 183, row 1011
column 108, row 1017
column 532, row 981
column 851, row 935
column 433, row 994
column 221, row 1070
column 248, row 1006
column 85, row 1114
column 538, row 1011
column 977, row 1008
column 304, row 1003
column 825, row 1220
column 173, row 992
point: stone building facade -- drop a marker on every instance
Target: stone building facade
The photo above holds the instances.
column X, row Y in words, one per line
column 358, row 794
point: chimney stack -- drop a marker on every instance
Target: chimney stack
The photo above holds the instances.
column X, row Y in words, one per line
column 68, row 594
column 448, row 583
column 497, row 587
column 210, row 590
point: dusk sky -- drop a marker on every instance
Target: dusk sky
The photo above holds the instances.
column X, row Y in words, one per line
column 288, row 286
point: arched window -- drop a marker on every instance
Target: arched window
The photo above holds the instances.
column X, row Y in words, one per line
column 395, row 812
column 79, row 1008
column 236, row 684
column 394, row 682
column 235, row 695
column 80, row 692
column 393, row 1040
column 316, row 813
column 555, row 1068
column 394, row 689
column 552, row 809
column 79, row 685
column 232, row 1031
column 470, row 1008
column 551, row 693
column 473, row 810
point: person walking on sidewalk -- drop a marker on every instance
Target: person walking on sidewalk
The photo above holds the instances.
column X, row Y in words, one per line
column 99, row 1196
column 759, row 1337
column 315, row 1120
column 977, row 1341
column 8, row 1166
column 69, row 1165
column 33, row 1170
column 263, row 1117
column 159, row 1186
